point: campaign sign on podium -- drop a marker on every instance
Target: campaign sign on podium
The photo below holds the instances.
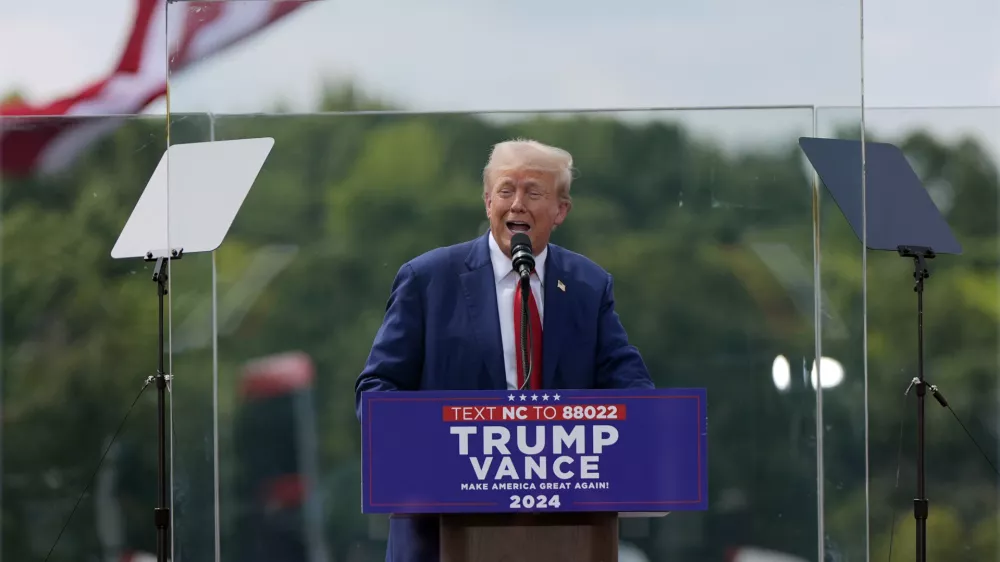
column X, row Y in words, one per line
column 552, row 450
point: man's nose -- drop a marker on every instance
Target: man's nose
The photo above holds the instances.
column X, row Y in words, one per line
column 518, row 205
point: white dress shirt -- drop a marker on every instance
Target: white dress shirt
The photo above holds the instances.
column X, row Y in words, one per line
column 506, row 285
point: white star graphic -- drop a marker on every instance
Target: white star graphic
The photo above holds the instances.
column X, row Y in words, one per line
column 534, row 398
column 523, row 398
column 556, row 397
column 545, row 398
column 510, row 397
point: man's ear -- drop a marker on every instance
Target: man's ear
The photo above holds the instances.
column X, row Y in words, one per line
column 564, row 208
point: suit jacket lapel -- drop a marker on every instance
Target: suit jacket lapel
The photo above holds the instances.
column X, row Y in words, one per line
column 555, row 326
column 479, row 288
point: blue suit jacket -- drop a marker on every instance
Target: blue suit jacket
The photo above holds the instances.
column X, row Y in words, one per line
column 442, row 332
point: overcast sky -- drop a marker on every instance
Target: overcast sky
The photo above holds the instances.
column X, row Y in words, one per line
column 565, row 54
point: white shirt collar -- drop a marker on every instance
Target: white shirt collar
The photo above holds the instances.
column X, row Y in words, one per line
column 503, row 266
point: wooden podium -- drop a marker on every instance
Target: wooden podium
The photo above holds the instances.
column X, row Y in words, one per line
column 534, row 476
column 529, row 537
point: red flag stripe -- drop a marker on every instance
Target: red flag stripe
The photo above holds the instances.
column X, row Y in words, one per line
column 37, row 142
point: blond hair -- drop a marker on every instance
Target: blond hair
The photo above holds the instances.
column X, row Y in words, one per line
column 527, row 154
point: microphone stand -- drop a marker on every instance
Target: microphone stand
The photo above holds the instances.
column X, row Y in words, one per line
column 524, row 263
column 525, row 281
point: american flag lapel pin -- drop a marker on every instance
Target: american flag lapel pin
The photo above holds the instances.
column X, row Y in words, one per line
column 562, row 287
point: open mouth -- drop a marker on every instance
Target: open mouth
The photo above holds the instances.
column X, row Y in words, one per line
column 518, row 226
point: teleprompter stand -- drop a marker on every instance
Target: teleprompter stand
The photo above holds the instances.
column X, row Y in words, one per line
column 890, row 210
column 208, row 183
column 161, row 514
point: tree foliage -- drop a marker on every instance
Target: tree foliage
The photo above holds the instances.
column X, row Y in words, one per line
column 712, row 253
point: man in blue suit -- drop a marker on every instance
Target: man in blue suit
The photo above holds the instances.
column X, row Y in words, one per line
column 453, row 314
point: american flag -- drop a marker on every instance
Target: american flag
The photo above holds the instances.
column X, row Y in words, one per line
column 43, row 139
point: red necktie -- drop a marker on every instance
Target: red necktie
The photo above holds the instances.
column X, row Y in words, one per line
column 534, row 339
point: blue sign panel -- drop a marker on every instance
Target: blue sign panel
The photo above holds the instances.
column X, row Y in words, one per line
column 553, row 450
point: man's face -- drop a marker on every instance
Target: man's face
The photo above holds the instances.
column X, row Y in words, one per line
column 524, row 201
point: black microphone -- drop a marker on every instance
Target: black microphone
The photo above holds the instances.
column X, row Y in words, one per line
column 520, row 252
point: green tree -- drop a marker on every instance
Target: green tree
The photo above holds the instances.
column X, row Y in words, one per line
column 712, row 252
